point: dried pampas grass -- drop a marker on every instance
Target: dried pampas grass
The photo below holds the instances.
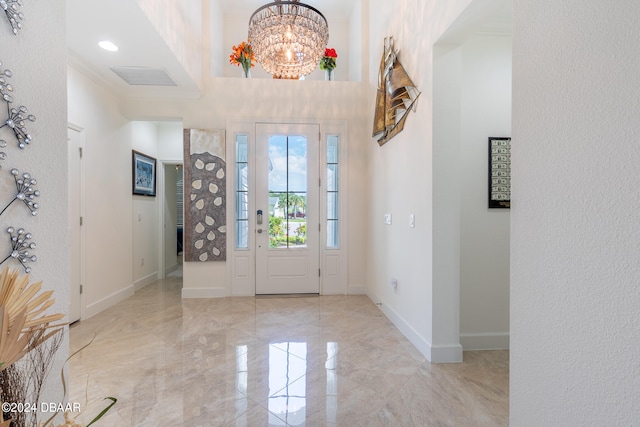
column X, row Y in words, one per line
column 24, row 325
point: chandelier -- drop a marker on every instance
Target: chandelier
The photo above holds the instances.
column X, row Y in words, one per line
column 288, row 38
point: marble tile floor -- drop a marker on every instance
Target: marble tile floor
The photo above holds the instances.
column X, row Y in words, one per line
column 271, row 361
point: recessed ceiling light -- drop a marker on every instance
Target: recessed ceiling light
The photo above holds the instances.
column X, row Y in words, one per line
column 107, row 45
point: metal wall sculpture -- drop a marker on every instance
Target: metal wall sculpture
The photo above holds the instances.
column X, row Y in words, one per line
column 12, row 11
column 22, row 245
column 396, row 95
column 205, row 220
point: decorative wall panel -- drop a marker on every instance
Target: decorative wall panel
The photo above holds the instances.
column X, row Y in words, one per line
column 205, row 219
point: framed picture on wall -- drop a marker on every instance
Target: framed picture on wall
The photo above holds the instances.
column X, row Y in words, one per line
column 144, row 174
column 499, row 172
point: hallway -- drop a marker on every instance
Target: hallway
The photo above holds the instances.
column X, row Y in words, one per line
column 281, row 361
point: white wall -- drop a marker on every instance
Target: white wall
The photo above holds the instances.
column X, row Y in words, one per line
column 146, row 214
column 358, row 37
column 400, row 183
column 180, row 25
column 37, row 58
column 484, row 233
column 575, row 323
column 215, row 28
column 447, row 173
column 108, row 201
column 170, row 148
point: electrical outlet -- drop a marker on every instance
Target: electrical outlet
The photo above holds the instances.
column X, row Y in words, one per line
column 412, row 221
column 141, row 262
column 387, row 219
column 394, row 283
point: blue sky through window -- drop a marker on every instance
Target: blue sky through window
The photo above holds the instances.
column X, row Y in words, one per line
column 295, row 163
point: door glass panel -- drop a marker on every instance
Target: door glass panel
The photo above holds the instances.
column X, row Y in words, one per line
column 242, row 191
column 332, row 191
column 332, row 177
column 287, row 191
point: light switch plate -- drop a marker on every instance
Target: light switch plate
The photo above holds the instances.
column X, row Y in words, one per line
column 412, row 221
column 387, row 219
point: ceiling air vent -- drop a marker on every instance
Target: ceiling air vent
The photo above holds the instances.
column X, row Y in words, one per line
column 144, row 76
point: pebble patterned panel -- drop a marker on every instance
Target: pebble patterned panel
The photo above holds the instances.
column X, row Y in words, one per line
column 205, row 228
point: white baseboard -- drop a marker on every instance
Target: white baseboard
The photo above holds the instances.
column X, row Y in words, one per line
column 204, row 292
column 146, row 280
column 113, row 299
column 446, row 353
column 357, row 290
column 239, row 294
column 434, row 354
column 170, row 269
column 485, row 341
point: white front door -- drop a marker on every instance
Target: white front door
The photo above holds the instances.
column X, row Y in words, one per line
column 287, row 209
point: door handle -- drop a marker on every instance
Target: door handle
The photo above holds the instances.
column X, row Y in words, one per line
column 260, row 230
column 259, row 216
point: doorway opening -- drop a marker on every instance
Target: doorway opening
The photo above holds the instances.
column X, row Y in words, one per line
column 471, row 102
column 172, row 219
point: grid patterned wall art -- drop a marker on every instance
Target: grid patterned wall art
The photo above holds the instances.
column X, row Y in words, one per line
column 499, row 172
column 205, row 219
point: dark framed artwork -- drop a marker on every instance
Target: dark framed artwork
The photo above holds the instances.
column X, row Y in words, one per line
column 499, row 172
column 144, row 174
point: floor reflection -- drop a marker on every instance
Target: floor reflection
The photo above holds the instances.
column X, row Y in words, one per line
column 287, row 383
column 242, row 373
column 332, row 382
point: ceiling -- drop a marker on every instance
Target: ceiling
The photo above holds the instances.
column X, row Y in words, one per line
column 141, row 46
column 327, row 7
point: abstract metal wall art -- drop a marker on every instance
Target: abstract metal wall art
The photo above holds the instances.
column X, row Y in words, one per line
column 16, row 117
column 16, row 122
column 21, row 245
column 25, row 191
column 12, row 11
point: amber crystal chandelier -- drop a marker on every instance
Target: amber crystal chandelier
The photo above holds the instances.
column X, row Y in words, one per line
column 288, row 38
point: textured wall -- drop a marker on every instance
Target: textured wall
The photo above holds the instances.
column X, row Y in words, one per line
column 575, row 318
column 37, row 57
